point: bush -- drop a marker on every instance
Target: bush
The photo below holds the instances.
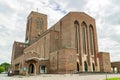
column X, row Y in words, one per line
column 2, row 69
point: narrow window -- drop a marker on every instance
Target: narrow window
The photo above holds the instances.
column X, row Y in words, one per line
column 91, row 40
column 84, row 37
column 76, row 35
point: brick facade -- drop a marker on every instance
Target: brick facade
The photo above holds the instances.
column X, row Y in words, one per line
column 68, row 46
column 105, row 65
column 115, row 67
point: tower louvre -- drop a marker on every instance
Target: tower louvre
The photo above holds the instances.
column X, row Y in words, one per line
column 36, row 25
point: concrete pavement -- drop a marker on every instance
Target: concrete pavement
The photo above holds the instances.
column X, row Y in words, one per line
column 59, row 77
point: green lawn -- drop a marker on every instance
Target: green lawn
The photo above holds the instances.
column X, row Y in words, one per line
column 113, row 79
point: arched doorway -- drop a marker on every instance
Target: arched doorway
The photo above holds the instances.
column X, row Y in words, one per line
column 77, row 67
column 42, row 69
column 85, row 66
column 31, row 69
column 93, row 67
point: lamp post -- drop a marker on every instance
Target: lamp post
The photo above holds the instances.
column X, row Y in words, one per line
column 106, row 73
column 106, row 63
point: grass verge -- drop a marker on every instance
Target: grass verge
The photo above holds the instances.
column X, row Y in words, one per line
column 113, row 79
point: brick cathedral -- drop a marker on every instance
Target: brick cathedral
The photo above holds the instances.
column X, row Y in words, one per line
column 69, row 46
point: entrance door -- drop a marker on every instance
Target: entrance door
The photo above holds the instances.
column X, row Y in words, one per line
column 93, row 67
column 43, row 69
column 85, row 66
column 77, row 67
column 31, row 69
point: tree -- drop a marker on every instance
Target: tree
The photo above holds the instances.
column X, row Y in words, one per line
column 5, row 65
column 2, row 69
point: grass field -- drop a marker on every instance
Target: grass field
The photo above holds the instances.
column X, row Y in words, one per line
column 113, row 79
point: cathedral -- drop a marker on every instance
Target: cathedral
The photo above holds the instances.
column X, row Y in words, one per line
column 69, row 46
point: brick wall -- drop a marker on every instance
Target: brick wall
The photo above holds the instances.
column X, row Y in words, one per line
column 104, row 61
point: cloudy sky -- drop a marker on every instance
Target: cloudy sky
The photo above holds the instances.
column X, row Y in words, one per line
column 13, row 16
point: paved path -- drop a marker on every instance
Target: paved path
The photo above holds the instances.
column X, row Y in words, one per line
column 59, row 77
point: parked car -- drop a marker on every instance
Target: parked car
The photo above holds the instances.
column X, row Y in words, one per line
column 13, row 72
column 10, row 73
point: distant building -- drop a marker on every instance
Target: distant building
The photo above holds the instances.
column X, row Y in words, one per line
column 115, row 67
column 68, row 46
column 104, row 61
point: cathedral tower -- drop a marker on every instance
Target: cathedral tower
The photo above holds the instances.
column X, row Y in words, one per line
column 36, row 25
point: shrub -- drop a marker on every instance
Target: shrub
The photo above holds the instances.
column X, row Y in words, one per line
column 2, row 69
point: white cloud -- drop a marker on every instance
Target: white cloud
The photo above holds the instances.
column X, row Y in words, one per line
column 13, row 16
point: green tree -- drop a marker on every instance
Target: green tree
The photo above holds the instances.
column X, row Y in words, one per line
column 5, row 65
column 2, row 69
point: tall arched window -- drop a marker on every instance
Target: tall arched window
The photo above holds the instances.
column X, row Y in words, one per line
column 76, row 35
column 84, row 38
column 91, row 39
